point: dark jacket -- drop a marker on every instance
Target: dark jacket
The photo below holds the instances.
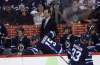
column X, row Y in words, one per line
column 25, row 41
column 3, row 30
column 3, row 33
column 50, row 26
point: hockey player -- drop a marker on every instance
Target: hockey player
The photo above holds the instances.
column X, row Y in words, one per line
column 48, row 46
column 78, row 52
column 76, row 48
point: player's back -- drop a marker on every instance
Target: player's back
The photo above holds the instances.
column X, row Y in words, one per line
column 79, row 54
column 49, row 46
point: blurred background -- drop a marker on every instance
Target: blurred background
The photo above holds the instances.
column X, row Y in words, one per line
column 29, row 15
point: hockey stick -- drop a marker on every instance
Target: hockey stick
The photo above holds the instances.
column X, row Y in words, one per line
column 43, row 41
column 64, row 60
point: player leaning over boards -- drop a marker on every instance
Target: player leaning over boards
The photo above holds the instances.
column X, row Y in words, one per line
column 77, row 49
column 47, row 44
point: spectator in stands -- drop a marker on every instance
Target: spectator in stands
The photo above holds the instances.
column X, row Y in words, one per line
column 1, row 3
column 48, row 24
column 48, row 2
column 52, row 10
column 94, row 15
column 38, row 15
column 86, row 7
column 3, row 34
column 37, row 2
column 16, row 2
column 20, row 43
column 92, row 38
column 24, row 15
column 7, row 2
column 35, row 39
column 30, row 4
column 70, row 14
column 7, row 10
column 1, row 10
column 3, row 31
column 65, row 3
column 95, row 37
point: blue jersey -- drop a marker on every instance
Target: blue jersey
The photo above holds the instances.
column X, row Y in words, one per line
column 50, row 46
column 98, row 45
column 78, row 53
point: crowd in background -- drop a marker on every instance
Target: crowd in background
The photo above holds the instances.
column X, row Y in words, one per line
column 21, row 11
column 46, row 14
column 21, row 44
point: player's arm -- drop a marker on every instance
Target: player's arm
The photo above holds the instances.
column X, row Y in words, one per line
column 88, row 58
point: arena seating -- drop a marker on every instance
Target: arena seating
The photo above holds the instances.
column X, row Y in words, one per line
column 30, row 30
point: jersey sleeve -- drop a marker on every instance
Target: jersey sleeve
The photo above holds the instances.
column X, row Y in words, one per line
column 88, row 58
